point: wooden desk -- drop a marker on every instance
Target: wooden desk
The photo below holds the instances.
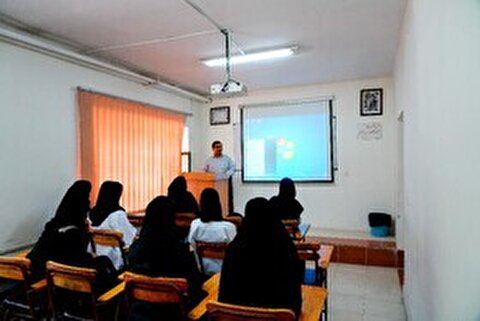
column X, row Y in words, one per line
column 297, row 230
column 313, row 299
column 325, row 253
column 301, row 232
column 210, row 286
column 23, row 253
column 212, row 283
column 110, row 294
column 39, row 285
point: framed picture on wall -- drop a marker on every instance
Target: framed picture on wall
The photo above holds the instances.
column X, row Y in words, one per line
column 371, row 102
column 220, row 115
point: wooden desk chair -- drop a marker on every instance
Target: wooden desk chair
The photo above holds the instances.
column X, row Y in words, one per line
column 313, row 300
column 23, row 253
column 210, row 250
column 26, row 301
column 156, row 290
column 230, row 312
column 292, row 228
column 74, row 285
column 235, row 220
column 111, row 238
column 310, row 251
column 136, row 219
column 291, row 225
column 184, row 220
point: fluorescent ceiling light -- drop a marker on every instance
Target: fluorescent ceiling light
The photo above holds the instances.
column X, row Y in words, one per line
column 252, row 57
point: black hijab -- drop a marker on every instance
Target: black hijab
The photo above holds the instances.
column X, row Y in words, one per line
column 157, row 250
column 182, row 199
column 261, row 266
column 159, row 222
column 160, row 252
column 260, row 225
column 210, row 207
column 284, row 204
column 74, row 206
column 64, row 238
column 107, row 202
column 287, row 189
column 177, row 187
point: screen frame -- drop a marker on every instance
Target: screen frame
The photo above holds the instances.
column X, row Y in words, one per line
column 332, row 147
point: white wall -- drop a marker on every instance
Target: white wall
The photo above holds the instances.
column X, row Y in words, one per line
column 366, row 178
column 437, row 82
column 38, row 134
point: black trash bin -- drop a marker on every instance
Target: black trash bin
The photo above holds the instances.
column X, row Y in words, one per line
column 380, row 224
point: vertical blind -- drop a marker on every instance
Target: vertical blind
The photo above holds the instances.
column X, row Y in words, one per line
column 137, row 145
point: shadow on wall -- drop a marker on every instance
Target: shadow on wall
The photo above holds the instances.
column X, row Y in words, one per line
column 23, row 234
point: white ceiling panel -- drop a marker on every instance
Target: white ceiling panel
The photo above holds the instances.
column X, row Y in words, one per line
column 337, row 39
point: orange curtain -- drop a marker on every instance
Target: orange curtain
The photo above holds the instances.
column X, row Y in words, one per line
column 135, row 144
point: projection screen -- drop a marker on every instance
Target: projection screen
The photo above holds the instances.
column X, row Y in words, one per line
column 287, row 139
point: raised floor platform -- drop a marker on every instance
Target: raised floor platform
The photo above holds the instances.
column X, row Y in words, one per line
column 356, row 247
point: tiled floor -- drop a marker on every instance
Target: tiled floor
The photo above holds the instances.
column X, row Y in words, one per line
column 364, row 293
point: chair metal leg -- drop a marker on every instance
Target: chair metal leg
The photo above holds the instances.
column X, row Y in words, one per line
column 324, row 283
column 325, row 310
column 5, row 314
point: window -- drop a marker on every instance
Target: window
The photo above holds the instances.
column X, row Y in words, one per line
column 135, row 144
column 186, row 154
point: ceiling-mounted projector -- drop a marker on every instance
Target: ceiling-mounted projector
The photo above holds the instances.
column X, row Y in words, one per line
column 230, row 88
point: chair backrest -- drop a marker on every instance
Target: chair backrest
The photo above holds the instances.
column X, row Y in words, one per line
column 291, row 225
column 14, row 268
column 236, row 220
column 218, row 311
column 111, row 238
column 181, row 219
column 18, row 269
column 308, row 251
column 136, row 218
column 159, row 290
column 212, row 250
column 184, row 220
column 71, row 278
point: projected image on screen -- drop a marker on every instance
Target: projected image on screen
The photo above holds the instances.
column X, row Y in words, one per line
column 287, row 141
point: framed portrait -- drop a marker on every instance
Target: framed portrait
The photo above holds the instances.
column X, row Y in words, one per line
column 371, row 102
column 220, row 115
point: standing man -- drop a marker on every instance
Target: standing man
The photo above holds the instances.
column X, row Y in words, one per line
column 223, row 167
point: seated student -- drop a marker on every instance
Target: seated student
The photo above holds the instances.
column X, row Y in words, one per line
column 65, row 239
column 183, row 200
column 109, row 215
column 211, row 227
column 159, row 252
column 285, row 205
column 261, row 266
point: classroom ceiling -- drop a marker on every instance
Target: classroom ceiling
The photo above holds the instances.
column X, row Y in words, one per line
column 337, row 39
